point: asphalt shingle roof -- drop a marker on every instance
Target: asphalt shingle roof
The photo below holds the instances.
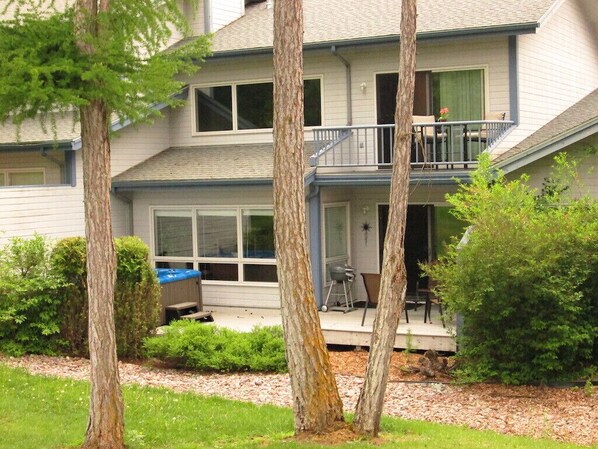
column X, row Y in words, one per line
column 582, row 114
column 353, row 20
column 248, row 162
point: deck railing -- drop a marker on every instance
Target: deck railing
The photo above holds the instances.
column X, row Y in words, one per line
column 440, row 145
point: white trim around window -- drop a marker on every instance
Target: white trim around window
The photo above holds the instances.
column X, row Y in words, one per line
column 234, row 115
column 231, row 245
column 9, row 174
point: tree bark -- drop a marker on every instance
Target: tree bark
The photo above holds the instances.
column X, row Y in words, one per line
column 105, row 429
column 393, row 279
column 316, row 402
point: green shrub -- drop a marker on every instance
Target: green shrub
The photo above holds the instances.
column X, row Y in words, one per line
column 136, row 298
column 68, row 262
column 29, row 320
column 525, row 282
column 188, row 344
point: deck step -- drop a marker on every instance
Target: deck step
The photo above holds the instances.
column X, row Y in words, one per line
column 199, row 316
column 181, row 306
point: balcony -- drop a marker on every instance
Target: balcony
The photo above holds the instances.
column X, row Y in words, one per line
column 435, row 145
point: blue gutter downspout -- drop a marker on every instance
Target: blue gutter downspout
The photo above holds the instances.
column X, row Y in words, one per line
column 513, row 80
column 348, row 84
column 315, row 250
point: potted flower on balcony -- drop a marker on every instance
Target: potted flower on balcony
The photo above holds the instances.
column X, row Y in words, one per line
column 444, row 112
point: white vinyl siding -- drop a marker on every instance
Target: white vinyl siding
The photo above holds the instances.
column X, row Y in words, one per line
column 53, row 211
column 136, row 143
column 557, row 67
column 224, row 12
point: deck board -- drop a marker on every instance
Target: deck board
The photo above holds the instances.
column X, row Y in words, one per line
column 345, row 328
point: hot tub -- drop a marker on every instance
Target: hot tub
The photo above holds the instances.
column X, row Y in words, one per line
column 179, row 286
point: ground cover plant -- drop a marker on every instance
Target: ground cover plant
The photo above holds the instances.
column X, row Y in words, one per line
column 526, row 279
column 159, row 418
column 192, row 345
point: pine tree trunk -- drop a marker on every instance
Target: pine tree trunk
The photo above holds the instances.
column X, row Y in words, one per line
column 393, row 279
column 105, row 428
column 317, row 405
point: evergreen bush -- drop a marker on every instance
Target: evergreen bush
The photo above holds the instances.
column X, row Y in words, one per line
column 525, row 282
column 192, row 345
column 136, row 301
column 29, row 306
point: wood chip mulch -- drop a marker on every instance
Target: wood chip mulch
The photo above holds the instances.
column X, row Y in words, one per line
column 563, row 414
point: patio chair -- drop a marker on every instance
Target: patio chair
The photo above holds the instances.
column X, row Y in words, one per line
column 481, row 135
column 371, row 281
column 429, row 138
column 430, row 298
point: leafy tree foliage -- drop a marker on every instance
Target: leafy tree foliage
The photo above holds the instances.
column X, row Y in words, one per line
column 525, row 281
column 44, row 71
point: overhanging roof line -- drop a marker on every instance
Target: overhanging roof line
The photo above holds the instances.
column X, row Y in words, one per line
column 507, row 30
column 139, row 185
column 547, row 148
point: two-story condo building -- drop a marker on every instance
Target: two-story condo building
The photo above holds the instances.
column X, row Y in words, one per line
column 519, row 80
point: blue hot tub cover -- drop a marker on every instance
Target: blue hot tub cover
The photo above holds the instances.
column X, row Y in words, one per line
column 166, row 275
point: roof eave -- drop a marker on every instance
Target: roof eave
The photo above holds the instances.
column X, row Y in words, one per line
column 35, row 146
column 506, row 30
column 548, row 147
column 169, row 184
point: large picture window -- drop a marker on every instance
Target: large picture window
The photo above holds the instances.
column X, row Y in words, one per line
column 233, row 244
column 249, row 106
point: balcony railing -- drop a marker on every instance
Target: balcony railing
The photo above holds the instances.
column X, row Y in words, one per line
column 439, row 145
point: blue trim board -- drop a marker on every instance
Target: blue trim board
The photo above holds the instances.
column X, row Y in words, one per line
column 315, row 239
column 513, row 80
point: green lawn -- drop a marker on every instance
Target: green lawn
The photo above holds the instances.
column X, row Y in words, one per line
column 49, row 413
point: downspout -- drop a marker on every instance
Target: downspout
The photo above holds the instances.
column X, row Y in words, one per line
column 348, row 81
column 513, row 80
column 207, row 16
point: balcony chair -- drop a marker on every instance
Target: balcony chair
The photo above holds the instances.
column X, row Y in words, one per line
column 429, row 138
column 371, row 281
column 481, row 135
column 430, row 297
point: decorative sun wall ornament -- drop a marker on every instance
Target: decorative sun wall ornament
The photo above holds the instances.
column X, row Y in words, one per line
column 365, row 228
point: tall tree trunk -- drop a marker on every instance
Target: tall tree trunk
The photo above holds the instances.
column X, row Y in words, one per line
column 105, row 428
column 393, row 280
column 316, row 402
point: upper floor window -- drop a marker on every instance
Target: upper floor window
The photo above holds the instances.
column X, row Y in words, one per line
column 248, row 106
column 25, row 177
column 37, row 167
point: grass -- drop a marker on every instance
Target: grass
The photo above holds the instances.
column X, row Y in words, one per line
column 49, row 413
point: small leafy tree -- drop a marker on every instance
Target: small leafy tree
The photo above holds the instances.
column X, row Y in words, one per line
column 525, row 280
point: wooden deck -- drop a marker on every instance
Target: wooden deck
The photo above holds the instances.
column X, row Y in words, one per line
column 345, row 328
